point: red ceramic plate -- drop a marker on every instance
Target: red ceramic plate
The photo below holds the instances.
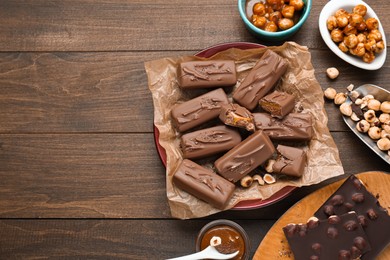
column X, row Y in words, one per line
column 243, row 205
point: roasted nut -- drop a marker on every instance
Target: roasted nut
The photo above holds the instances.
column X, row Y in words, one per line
column 359, row 50
column 350, row 87
column 343, row 47
column 215, row 241
column 246, row 181
column 259, row 179
column 259, row 9
column 385, row 134
column 360, row 9
column 374, row 104
column 346, row 109
column 337, row 35
column 351, row 41
column 342, row 20
column 370, row 116
column 375, row 34
column 340, row 98
column 380, row 46
column 259, row 21
column 269, row 166
column 349, row 29
column 363, row 126
column 330, row 93
column 383, row 144
column 354, row 94
column 354, row 117
column 384, row 118
column 355, row 19
column 368, row 57
column 372, row 23
column 361, row 38
column 297, row 4
column 285, row 23
column 332, row 72
column 269, row 179
column 370, row 45
column 374, row 132
column 331, row 23
column 385, row 107
column 288, row 11
column 271, row 27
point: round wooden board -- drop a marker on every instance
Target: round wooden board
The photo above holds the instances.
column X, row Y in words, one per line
column 275, row 245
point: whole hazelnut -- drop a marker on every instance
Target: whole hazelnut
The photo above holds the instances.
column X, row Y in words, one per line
column 370, row 116
column 363, row 126
column 374, row 132
column 385, row 107
column 383, row 144
column 384, row 118
column 346, row 109
column 332, row 72
column 331, row 23
column 330, row 93
column 340, row 98
column 374, row 104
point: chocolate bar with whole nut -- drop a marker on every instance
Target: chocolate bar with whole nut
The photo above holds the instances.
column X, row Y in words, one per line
column 260, row 80
column 207, row 74
column 209, row 141
column 203, row 183
column 245, row 157
column 199, row 110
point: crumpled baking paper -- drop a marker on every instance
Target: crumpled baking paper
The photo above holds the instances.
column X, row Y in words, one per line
column 323, row 160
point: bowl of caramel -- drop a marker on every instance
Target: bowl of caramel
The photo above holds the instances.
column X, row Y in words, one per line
column 274, row 20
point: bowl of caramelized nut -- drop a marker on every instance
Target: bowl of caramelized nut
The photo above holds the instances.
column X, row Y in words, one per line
column 274, row 20
column 353, row 31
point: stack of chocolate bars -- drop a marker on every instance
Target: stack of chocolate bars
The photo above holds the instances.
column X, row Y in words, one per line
column 351, row 224
column 242, row 132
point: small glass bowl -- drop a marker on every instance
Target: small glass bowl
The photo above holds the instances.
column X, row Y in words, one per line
column 218, row 228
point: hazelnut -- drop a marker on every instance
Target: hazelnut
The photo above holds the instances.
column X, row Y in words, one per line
column 384, row 118
column 340, row 98
column 271, row 27
column 285, row 23
column 361, row 38
column 370, row 116
column 363, row 126
column 374, row 133
column 354, row 117
column 350, row 87
column 349, row 29
column 358, row 50
column 351, row 41
column 330, row 93
column 343, row 47
column 355, row 19
column 360, row 9
column 215, row 241
column 383, row 144
column 346, row 109
column 354, row 94
column 342, row 20
column 372, row 23
column 359, row 101
column 331, row 23
column 337, row 35
column 380, row 46
column 297, row 4
column 246, row 181
column 375, row 34
column 269, row 166
column 385, row 107
column 259, row 179
column 385, row 134
column 368, row 57
column 269, row 179
column 332, row 72
column 259, row 9
column 374, row 104
column 288, row 11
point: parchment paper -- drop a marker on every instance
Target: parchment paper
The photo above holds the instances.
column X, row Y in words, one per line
column 323, row 160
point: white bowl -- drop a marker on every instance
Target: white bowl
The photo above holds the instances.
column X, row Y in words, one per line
column 330, row 9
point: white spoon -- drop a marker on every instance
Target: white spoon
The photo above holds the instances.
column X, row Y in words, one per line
column 208, row 253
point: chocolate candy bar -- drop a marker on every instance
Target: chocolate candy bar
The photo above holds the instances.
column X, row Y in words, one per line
column 339, row 237
column 245, row 157
column 353, row 196
column 238, row 116
column 293, row 127
column 209, row 141
column 203, row 183
column 206, row 74
column 260, row 80
column 278, row 104
column 291, row 161
column 198, row 110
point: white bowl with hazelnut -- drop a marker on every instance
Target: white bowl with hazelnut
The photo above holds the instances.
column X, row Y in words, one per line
column 353, row 31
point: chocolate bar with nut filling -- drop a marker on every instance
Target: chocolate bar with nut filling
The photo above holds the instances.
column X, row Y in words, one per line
column 245, row 157
column 237, row 116
column 260, row 80
column 352, row 195
column 207, row 74
column 293, row 127
column 338, row 237
column 199, row 110
column 290, row 161
column 209, row 141
column 203, row 183
column 278, row 103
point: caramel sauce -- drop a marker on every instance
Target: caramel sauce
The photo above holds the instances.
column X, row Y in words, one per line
column 232, row 240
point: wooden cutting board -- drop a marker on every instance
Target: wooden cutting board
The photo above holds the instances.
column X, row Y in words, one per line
column 275, row 246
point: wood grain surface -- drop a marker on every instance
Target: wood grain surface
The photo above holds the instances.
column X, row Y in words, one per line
column 79, row 173
column 275, row 245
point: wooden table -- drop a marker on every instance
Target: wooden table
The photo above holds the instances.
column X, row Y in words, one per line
column 80, row 177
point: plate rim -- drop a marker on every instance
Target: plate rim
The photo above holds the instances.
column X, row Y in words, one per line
column 246, row 204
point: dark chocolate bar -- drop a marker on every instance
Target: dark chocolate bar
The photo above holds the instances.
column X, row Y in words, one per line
column 291, row 161
column 278, row 103
column 203, row 183
column 353, row 196
column 260, row 80
column 245, row 157
column 206, row 74
column 238, row 116
column 198, row 110
column 293, row 127
column 209, row 141
column 339, row 237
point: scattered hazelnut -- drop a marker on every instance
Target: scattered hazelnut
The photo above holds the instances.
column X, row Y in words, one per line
column 374, row 104
column 350, row 87
column 385, row 107
column 354, row 94
column 246, row 181
column 269, row 166
column 269, row 179
column 363, row 126
column 330, row 93
column 374, row 132
column 259, row 179
column 340, row 98
column 383, row 144
column 346, row 109
column 332, row 72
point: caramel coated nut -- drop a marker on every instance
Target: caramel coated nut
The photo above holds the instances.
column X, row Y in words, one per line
column 246, row 181
column 346, row 109
column 340, row 98
column 330, row 93
column 332, row 72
